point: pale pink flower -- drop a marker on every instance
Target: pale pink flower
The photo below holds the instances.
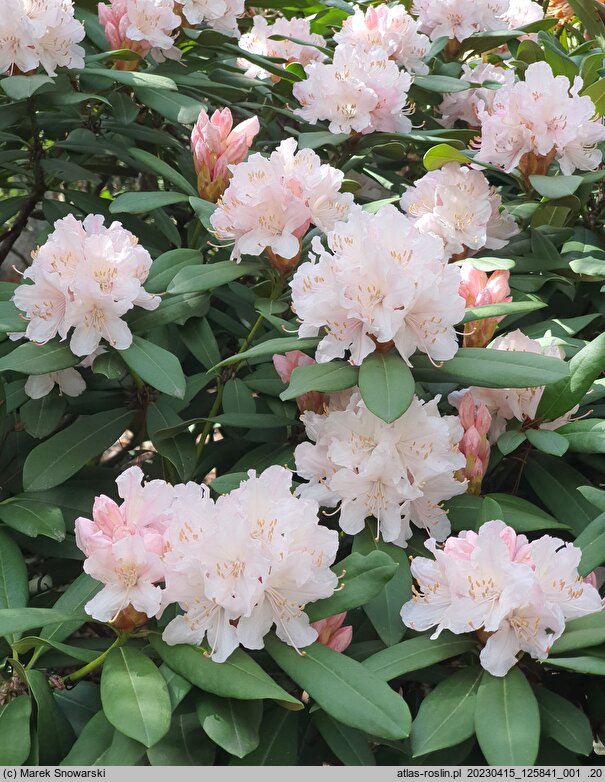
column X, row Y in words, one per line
column 70, row 382
column 143, row 26
column 285, row 365
column 361, row 91
column 221, row 15
column 85, row 276
column 390, row 28
column 271, row 202
column 521, row 404
column 480, row 290
column 40, row 32
column 458, row 205
column 474, row 444
column 542, row 118
column 459, row 19
column 381, row 281
column 258, row 41
column 399, row 473
column 216, row 145
column 331, row 633
column 463, row 105
column 522, row 12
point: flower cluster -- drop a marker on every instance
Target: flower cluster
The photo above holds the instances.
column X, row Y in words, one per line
column 258, row 41
column 39, row 33
column 463, row 105
column 399, row 473
column 360, row 90
column 532, row 122
column 476, row 421
column 221, row 15
column 390, row 28
column 516, row 594
column 459, row 19
column 235, row 567
column 480, row 290
column 271, row 202
column 383, row 281
column 216, row 145
column 458, row 205
column 143, row 26
column 521, row 404
column 85, row 276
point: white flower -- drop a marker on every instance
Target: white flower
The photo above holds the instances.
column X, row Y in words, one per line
column 463, row 105
column 221, row 15
column 70, row 382
column 258, row 41
column 459, row 19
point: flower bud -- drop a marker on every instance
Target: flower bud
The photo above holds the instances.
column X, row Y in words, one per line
column 332, row 634
column 475, row 421
column 478, row 290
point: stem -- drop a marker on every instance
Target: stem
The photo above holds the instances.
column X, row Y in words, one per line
column 91, row 666
column 208, row 425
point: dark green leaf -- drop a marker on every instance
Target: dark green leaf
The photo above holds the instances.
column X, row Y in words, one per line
column 386, row 385
column 564, row 722
column 334, row 376
column 15, row 739
column 416, row 654
column 232, row 724
column 156, row 366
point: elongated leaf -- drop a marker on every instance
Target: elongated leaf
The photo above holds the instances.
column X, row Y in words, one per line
column 132, row 78
column 270, row 348
column 156, row 366
column 278, row 743
column 239, row 677
column 594, row 666
column 232, row 724
column 72, row 602
column 32, row 359
column 592, row 543
column 14, row 592
column 135, row 696
column 61, row 456
column 184, row 745
column 386, row 385
column 166, row 171
column 205, row 277
column 40, row 417
column 344, row 689
column 547, row 441
column 507, row 720
column 586, row 436
column 564, row 722
column 447, row 715
column 141, row 202
column 441, row 154
column 555, row 186
column 53, row 732
column 17, row 620
column 172, row 105
column 416, row 654
column 496, row 310
column 348, row 744
column 580, row 633
column 334, row 376
column 15, row 741
column 33, row 518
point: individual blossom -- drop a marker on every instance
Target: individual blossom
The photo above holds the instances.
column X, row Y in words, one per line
column 538, row 120
column 476, row 421
column 462, row 105
column 398, row 473
column 515, row 594
column 220, row 15
column 143, row 26
column 458, row 205
column 285, row 365
column 390, row 28
column 39, row 32
column 479, row 290
column 522, row 12
column 521, row 404
column 271, row 202
column 258, row 41
column 70, row 382
column 459, row 19
column 382, row 283
column 216, row 145
column 331, row 632
column 86, row 276
column 359, row 91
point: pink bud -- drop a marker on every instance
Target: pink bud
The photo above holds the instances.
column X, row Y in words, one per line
column 466, row 411
column 332, row 634
column 285, row 365
column 474, row 445
column 479, row 291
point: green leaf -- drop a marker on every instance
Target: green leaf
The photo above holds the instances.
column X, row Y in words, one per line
column 62, row 455
column 344, row 689
column 184, row 745
column 507, row 720
column 14, row 591
column 173, row 105
column 71, row 603
column 596, row 497
column 205, row 277
column 416, row 654
column 232, row 724
column 40, row 417
column 586, row 436
column 584, row 368
column 15, row 739
column 592, row 543
column 100, row 744
column 130, row 78
column 21, row 87
column 238, row 677
column 547, row 441
column 158, row 166
column 555, row 186
column 386, row 385
column 179, row 448
column 441, row 154
column 155, row 366
column 204, row 211
column 135, row 696
column 593, row 666
column 17, row 620
column 587, row 13
column 564, row 722
column 510, row 441
column 363, row 579
column 521, row 515
column 141, row 202
column 596, row 93
column 349, row 745
column 435, row 83
column 447, row 715
column 199, row 338
column 270, row 348
column 33, row 518
column 493, row 369
column 54, row 733
column 278, row 744
column 32, row 359
column 333, row 376
column 496, row 310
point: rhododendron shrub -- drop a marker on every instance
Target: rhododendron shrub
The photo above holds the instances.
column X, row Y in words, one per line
column 302, row 419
